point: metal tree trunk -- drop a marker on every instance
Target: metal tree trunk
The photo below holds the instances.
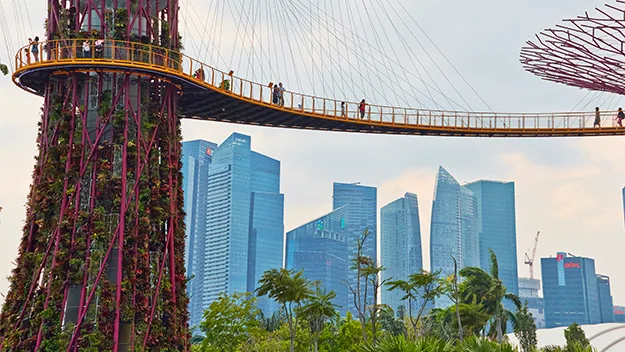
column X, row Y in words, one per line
column 100, row 265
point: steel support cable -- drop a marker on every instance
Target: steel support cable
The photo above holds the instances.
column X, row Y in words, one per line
column 356, row 53
column 398, row 63
column 302, row 39
column 269, row 37
column 445, row 57
column 374, row 67
column 244, row 36
column 285, row 71
column 430, row 56
column 358, row 71
column 305, row 35
column 203, row 54
column 349, row 62
column 412, row 55
column 332, row 69
column 30, row 24
column 281, row 21
column 388, row 41
column 383, row 96
column 17, row 22
column 340, row 50
column 389, row 73
column 332, row 53
column 4, row 26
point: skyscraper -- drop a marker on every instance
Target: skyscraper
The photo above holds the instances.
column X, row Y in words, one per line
column 528, row 292
column 400, row 245
column 571, row 291
column 361, row 215
column 605, row 299
column 245, row 219
column 320, row 248
column 196, row 158
column 454, row 224
column 454, row 228
column 497, row 229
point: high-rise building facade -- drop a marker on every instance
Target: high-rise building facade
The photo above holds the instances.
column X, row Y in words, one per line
column 245, row 220
column 196, row 158
column 571, row 291
column 454, row 228
column 605, row 299
column 320, row 248
column 400, row 246
column 529, row 292
column 361, row 214
column 619, row 314
column 497, row 229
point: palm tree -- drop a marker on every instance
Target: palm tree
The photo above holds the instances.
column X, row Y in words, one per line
column 287, row 288
column 317, row 310
column 424, row 285
column 489, row 291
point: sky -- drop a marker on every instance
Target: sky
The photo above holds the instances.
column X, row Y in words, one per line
column 568, row 189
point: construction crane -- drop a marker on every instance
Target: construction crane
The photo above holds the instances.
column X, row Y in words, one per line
column 530, row 260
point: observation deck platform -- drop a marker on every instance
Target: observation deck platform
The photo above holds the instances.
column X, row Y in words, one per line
column 211, row 94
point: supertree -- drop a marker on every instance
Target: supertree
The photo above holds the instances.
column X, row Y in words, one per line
column 100, row 266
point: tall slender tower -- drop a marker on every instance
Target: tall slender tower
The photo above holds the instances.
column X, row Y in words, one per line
column 101, row 261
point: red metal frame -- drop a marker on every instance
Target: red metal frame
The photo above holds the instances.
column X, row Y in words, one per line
column 107, row 180
column 584, row 52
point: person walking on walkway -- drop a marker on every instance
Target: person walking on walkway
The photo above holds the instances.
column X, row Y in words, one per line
column 362, row 108
column 281, row 91
column 619, row 117
column 597, row 118
column 275, row 94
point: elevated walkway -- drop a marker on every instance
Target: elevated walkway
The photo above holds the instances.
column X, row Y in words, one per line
column 211, row 94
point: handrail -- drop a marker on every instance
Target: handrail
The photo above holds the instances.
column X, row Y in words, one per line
column 151, row 56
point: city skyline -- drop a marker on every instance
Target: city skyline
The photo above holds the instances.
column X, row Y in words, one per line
column 565, row 187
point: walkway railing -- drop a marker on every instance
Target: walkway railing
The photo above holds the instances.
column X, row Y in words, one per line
column 80, row 51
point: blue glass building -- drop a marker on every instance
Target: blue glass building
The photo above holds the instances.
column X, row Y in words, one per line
column 571, row 293
column 245, row 220
column 196, row 158
column 361, row 215
column 497, row 229
column 400, row 246
column 454, row 228
column 605, row 299
column 320, row 248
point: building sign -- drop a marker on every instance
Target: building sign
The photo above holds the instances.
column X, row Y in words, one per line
column 560, row 261
column 209, row 152
column 572, row 265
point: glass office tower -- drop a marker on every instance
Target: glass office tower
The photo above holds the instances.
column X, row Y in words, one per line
column 605, row 299
column 245, row 220
column 570, row 290
column 454, row 228
column 497, row 229
column 320, row 248
column 361, row 214
column 400, row 246
column 196, row 158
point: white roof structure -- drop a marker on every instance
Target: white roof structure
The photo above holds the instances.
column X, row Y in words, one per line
column 609, row 337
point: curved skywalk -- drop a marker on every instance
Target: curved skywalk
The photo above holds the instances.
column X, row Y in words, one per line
column 211, row 94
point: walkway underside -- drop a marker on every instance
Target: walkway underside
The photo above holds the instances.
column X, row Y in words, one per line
column 210, row 94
